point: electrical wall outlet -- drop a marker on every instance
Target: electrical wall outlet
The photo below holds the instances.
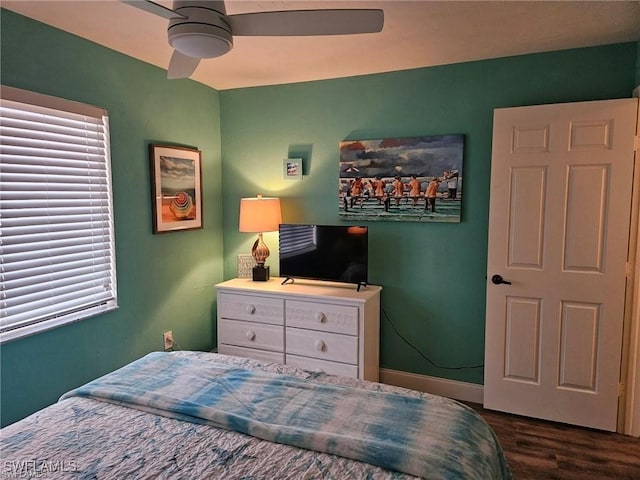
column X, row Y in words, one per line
column 167, row 338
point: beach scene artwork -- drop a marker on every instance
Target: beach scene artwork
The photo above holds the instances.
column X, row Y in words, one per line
column 415, row 179
column 178, row 188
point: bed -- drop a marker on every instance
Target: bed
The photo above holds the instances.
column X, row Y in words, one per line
column 200, row 415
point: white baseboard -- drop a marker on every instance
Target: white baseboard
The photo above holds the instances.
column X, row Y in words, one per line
column 467, row 392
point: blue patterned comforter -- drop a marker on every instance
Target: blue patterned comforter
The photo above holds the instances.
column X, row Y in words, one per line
column 418, row 435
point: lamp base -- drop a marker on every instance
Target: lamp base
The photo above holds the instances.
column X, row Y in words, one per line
column 260, row 273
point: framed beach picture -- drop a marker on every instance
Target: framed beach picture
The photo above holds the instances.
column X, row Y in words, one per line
column 416, row 179
column 176, row 188
column 292, row 168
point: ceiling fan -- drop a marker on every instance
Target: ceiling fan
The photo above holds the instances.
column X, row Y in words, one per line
column 202, row 29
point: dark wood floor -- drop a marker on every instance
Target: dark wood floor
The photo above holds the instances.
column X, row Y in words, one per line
column 540, row 450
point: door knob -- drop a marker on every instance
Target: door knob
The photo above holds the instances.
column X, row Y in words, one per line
column 497, row 280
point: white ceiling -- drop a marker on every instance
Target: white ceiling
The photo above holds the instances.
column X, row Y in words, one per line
column 415, row 34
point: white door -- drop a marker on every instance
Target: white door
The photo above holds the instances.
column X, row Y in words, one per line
column 561, row 181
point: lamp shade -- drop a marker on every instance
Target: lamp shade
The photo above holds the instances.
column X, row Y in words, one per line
column 260, row 214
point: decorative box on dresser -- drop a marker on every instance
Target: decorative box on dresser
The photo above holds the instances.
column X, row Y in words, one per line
column 312, row 325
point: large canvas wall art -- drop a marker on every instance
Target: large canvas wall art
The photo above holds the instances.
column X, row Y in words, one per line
column 401, row 179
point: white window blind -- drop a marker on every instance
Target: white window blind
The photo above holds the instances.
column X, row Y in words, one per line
column 57, row 260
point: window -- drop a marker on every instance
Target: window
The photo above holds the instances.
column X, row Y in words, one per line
column 57, row 262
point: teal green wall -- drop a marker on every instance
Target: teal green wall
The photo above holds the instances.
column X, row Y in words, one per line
column 164, row 281
column 433, row 275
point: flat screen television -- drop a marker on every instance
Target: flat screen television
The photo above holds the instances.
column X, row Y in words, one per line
column 336, row 253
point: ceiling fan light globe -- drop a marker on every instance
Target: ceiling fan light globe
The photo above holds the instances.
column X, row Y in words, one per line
column 200, row 46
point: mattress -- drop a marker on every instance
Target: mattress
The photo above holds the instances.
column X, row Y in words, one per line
column 202, row 415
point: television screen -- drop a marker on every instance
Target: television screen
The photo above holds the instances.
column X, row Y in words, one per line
column 324, row 252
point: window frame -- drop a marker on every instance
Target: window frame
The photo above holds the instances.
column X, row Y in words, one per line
column 20, row 329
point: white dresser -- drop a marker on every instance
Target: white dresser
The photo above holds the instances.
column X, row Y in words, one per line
column 313, row 325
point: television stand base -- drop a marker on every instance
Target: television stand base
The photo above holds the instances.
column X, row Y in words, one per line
column 291, row 280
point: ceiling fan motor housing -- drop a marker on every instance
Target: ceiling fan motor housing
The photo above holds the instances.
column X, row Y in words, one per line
column 204, row 33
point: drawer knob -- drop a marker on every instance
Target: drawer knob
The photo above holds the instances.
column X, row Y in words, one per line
column 251, row 309
column 320, row 317
column 251, row 335
column 320, row 345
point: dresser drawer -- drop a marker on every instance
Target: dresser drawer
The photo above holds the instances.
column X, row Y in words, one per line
column 326, row 346
column 252, row 308
column 322, row 316
column 311, row 325
column 332, row 368
column 251, row 335
column 277, row 357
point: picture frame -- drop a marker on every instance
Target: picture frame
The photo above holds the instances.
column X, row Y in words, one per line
column 246, row 262
column 415, row 179
column 292, row 168
column 176, row 188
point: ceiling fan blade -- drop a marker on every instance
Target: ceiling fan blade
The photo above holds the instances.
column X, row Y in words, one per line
column 155, row 8
column 307, row 22
column 181, row 66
